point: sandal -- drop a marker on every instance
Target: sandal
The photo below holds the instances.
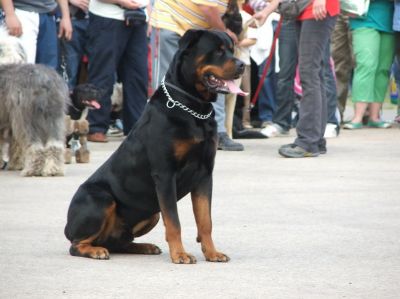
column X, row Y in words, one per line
column 352, row 126
column 379, row 124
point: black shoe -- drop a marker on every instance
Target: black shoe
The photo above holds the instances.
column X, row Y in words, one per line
column 227, row 144
column 322, row 148
column 295, row 151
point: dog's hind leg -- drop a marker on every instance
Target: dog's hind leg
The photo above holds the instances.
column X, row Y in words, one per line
column 138, row 230
column 89, row 230
column 34, row 160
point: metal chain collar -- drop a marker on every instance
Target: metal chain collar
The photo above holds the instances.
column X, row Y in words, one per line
column 172, row 103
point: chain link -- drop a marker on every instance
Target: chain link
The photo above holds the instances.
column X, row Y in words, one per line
column 171, row 103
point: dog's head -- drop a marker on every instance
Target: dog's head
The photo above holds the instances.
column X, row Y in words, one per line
column 86, row 95
column 11, row 50
column 204, row 64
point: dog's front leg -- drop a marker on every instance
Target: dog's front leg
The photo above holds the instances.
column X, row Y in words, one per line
column 201, row 200
column 166, row 193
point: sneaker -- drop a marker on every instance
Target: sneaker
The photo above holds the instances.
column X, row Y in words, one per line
column 114, row 131
column 273, row 130
column 295, row 151
column 227, row 144
column 331, row 131
column 379, row 124
column 97, row 137
column 266, row 123
column 321, row 148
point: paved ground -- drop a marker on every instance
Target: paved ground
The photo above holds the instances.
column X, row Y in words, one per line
column 326, row 227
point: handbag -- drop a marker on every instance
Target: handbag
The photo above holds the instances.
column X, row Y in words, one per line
column 291, row 9
column 355, row 8
column 134, row 17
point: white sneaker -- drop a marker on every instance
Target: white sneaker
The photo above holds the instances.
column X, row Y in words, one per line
column 331, row 131
column 273, row 130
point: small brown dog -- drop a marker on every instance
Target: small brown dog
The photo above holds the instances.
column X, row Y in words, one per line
column 83, row 98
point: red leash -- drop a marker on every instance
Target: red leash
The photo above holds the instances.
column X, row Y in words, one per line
column 267, row 65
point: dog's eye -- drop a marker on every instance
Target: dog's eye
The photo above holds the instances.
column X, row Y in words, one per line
column 220, row 52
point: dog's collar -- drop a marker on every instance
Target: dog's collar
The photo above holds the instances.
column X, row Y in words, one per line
column 171, row 103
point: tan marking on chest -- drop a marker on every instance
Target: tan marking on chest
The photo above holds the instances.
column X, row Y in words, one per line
column 182, row 147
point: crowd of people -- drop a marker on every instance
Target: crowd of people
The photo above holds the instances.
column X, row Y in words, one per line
column 326, row 51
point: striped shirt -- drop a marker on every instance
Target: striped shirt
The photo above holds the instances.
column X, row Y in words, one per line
column 181, row 15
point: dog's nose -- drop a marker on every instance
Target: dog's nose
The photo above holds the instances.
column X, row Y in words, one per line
column 239, row 66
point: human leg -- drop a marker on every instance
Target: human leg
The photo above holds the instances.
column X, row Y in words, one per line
column 314, row 38
column 132, row 71
column 47, row 44
column 30, row 28
column 164, row 44
column 342, row 54
column 104, row 47
column 366, row 44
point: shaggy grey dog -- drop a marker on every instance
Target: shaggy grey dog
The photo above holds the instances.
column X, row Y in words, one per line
column 33, row 101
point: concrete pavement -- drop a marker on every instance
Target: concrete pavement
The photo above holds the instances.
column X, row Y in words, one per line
column 326, row 227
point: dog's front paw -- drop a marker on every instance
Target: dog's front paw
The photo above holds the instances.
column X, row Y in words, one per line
column 183, row 258
column 216, row 257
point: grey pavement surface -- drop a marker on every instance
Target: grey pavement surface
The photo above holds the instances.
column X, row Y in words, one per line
column 326, row 227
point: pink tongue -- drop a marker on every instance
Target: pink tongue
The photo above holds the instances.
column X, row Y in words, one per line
column 233, row 88
column 95, row 104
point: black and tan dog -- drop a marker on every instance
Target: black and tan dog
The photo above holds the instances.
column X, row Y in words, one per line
column 169, row 153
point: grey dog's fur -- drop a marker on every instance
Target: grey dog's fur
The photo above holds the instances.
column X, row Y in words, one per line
column 33, row 101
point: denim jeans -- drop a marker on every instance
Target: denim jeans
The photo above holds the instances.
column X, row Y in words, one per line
column 314, row 39
column 330, row 87
column 114, row 48
column 288, row 54
column 47, row 43
column 72, row 51
column 267, row 98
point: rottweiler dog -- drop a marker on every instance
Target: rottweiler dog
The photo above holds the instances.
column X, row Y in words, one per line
column 169, row 153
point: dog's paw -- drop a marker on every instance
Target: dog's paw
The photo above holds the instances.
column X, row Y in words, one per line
column 218, row 257
column 141, row 248
column 99, row 253
column 183, row 258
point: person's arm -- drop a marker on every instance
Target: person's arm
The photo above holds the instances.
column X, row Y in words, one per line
column 262, row 15
column 129, row 4
column 12, row 22
column 65, row 29
column 213, row 18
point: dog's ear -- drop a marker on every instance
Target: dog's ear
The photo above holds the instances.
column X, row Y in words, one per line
column 189, row 38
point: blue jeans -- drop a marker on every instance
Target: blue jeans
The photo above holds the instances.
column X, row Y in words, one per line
column 314, row 39
column 288, row 54
column 330, row 87
column 47, row 43
column 267, row 97
column 72, row 51
column 114, row 48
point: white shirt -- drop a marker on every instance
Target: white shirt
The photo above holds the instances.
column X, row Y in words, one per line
column 108, row 10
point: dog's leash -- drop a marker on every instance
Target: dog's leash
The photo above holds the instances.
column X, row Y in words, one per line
column 267, row 64
column 171, row 103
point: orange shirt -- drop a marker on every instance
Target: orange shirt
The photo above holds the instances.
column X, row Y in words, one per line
column 332, row 7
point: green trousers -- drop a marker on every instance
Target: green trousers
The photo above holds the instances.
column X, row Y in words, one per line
column 374, row 52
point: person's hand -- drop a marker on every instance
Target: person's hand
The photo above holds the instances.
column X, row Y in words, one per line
column 129, row 4
column 82, row 4
column 65, row 29
column 319, row 9
column 13, row 25
column 232, row 35
column 259, row 18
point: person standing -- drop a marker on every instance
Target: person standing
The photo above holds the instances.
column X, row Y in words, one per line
column 34, row 23
column 315, row 25
column 117, row 47
column 373, row 44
